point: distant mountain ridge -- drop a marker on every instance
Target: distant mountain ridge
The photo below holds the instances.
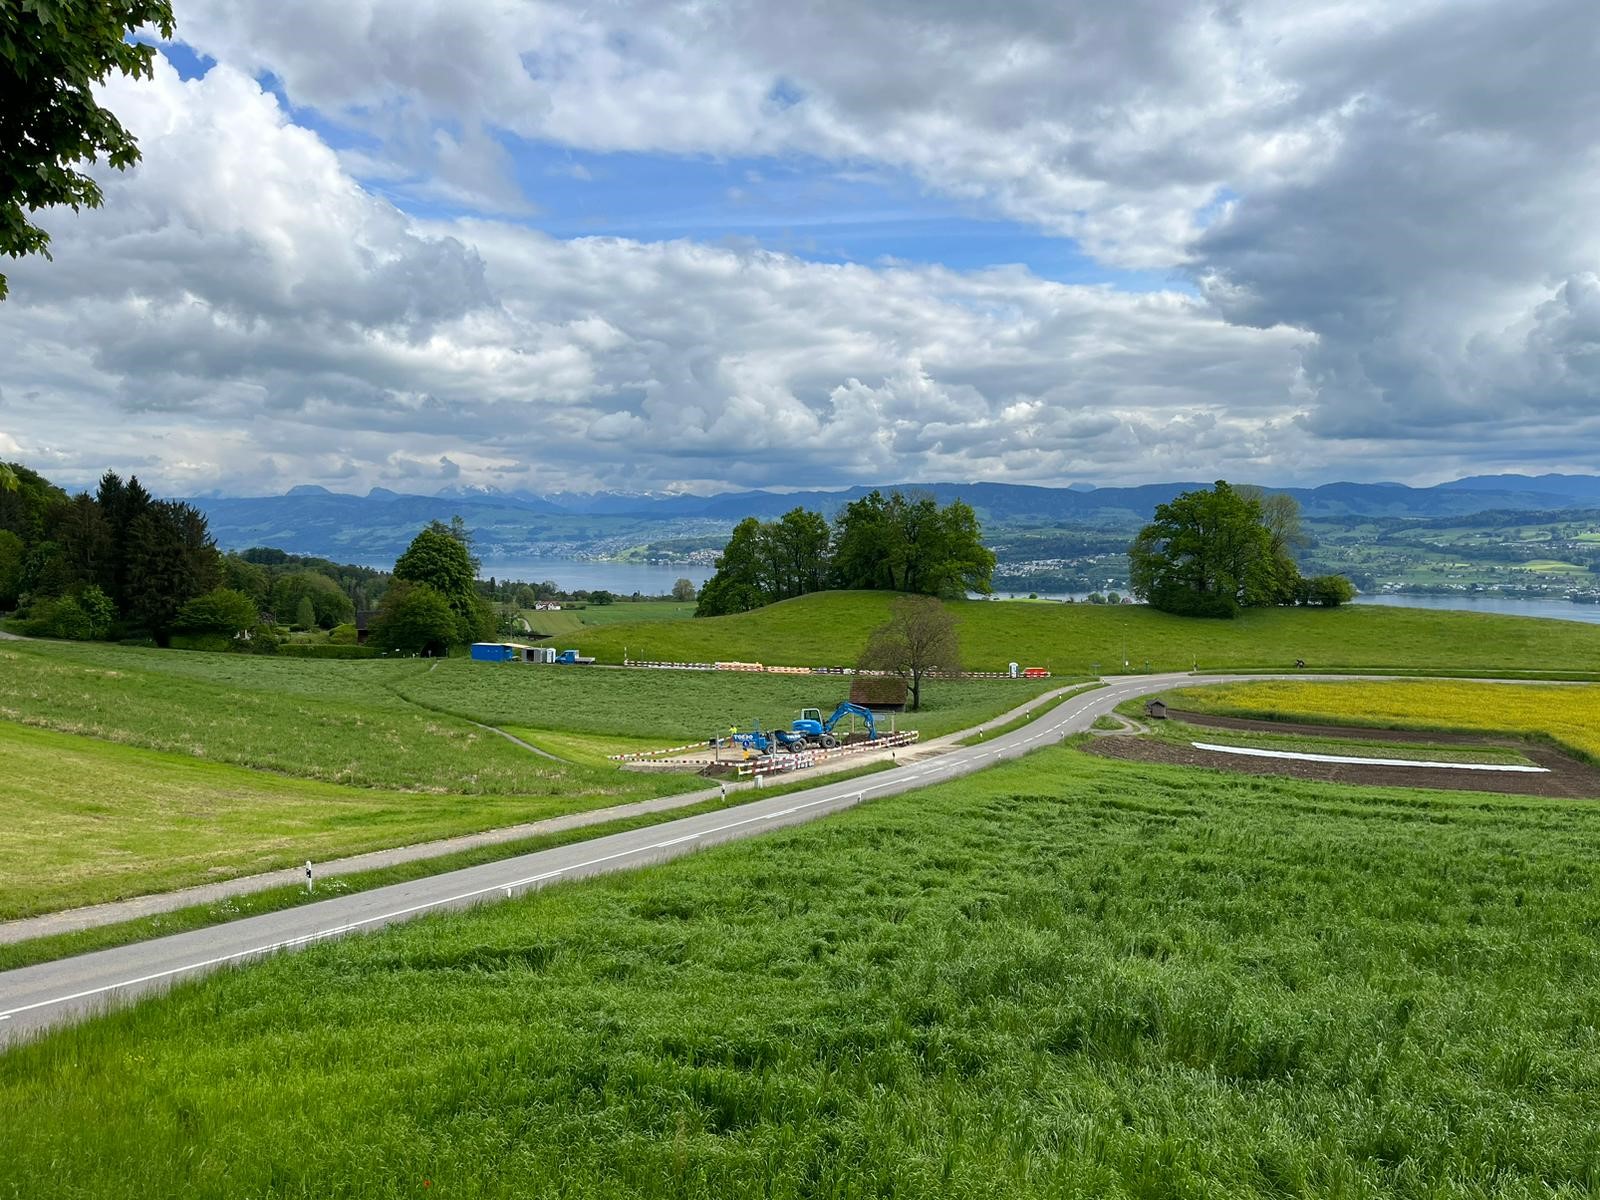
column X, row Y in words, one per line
column 309, row 519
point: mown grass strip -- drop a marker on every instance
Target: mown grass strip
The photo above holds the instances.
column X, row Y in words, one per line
column 1027, row 718
column 250, row 904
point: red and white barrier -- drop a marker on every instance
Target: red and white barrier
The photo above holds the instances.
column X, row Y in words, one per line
column 779, row 764
column 758, row 667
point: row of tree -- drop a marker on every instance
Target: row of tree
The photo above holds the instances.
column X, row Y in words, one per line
column 85, row 564
column 1215, row 551
column 896, row 542
column 119, row 563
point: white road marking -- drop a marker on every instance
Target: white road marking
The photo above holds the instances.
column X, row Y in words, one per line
column 1252, row 752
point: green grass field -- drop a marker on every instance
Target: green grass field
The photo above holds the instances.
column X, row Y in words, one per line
column 185, row 768
column 88, row 821
column 572, row 621
column 337, row 722
column 1064, row 977
column 830, row 628
column 667, row 708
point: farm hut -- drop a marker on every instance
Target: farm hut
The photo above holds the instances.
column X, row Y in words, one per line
column 1156, row 709
column 363, row 624
column 880, row 693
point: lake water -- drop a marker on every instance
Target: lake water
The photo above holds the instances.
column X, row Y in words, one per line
column 1561, row 610
column 576, row 574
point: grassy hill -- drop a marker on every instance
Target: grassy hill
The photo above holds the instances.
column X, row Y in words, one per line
column 1063, row 977
column 829, row 628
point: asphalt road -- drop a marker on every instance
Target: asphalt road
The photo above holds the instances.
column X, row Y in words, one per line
column 33, row 999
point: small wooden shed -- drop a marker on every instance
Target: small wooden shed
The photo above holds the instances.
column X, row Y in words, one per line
column 880, row 693
column 1156, row 709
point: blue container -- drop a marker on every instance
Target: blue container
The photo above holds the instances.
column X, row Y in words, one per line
column 493, row 652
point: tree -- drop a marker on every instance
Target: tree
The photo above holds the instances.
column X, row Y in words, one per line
column 221, row 610
column 1329, row 591
column 735, row 587
column 305, row 616
column 683, row 590
column 443, row 563
column 8, row 478
column 329, row 605
column 413, row 618
column 242, row 575
column 51, row 55
column 1206, row 554
column 458, row 530
column 121, row 504
column 11, row 556
column 601, row 597
column 1286, row 536
column 918, row 637
column 171, row 559
column 910, row 544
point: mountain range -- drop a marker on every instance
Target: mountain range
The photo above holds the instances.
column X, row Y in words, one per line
column 372, row 528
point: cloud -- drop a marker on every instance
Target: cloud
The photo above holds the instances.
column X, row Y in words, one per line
column 248, row 316
column 1384, row 210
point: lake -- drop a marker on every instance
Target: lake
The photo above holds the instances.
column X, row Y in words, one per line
column 1561, row 610
column 578, row 574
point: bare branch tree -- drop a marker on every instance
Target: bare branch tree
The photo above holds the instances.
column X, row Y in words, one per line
column 918, row 637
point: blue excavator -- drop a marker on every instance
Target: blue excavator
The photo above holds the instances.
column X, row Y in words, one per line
column 809, row 731
column 817, row 732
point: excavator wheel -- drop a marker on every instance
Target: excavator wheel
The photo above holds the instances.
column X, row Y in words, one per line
column 828, row 741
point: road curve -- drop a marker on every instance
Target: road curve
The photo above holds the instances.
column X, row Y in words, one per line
column 33, row 999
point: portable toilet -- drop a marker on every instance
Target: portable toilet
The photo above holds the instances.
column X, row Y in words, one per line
column 492, row 652
column 1014, row 670
column 541, row 654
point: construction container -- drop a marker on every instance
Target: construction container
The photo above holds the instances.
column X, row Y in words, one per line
column 493, row 652
column 541, row 654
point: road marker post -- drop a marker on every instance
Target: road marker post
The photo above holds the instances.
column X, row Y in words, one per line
column 308, row 876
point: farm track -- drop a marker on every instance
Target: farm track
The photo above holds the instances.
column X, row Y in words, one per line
column 33, row 999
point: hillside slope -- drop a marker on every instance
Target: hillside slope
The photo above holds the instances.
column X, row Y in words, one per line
column 830, row 628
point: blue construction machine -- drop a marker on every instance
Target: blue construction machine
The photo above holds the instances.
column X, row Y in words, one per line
column 811, row 727
column 757, row 741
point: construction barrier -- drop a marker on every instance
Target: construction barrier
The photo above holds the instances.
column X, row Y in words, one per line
column 758, row 667
column 779, row 764
column 643, row 755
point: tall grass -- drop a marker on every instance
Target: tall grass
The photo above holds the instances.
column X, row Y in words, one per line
column 1064, row 977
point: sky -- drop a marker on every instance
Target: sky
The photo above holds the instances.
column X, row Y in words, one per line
column 538, row 245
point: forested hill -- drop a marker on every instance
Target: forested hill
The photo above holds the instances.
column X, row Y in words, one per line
column 377, row 526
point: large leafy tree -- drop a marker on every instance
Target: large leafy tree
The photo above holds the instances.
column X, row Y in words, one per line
column 1207, row 553
column 221, row 610
column 414, row 619
column 737, row 586
column 439, row 558
column 918, row 638
column 910, row 544
column 894, row 542
column 52, row 53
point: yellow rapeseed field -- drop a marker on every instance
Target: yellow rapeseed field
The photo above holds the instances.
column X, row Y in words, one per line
column 1569, row 715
